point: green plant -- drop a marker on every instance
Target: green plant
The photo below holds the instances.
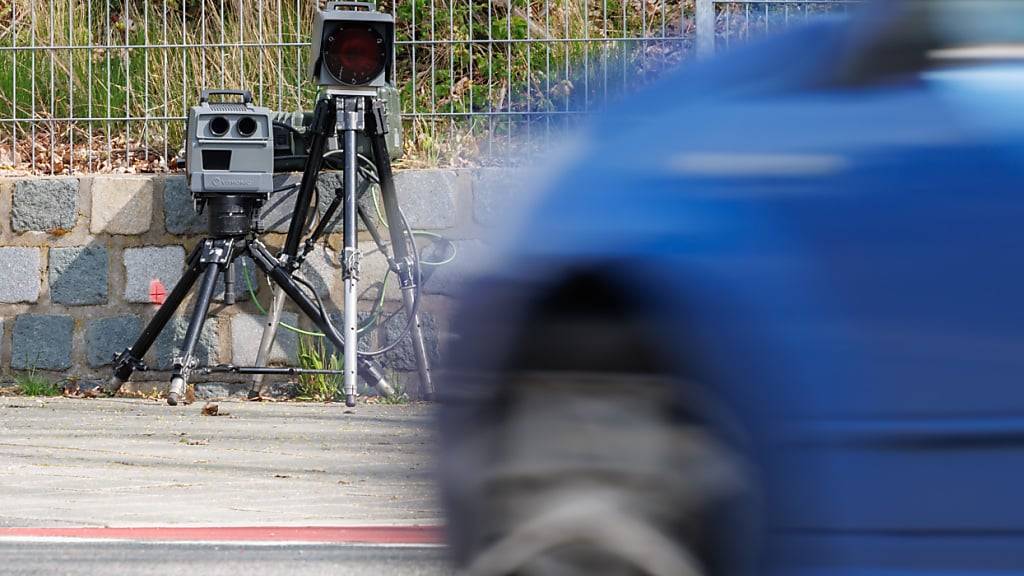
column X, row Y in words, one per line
column 454, row 57
column 32, row 383
column 313, row 355
column 399, row 397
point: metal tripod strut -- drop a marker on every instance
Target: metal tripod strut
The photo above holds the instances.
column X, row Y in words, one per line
column 399, row 244
column 213, row 255
column 352, row 118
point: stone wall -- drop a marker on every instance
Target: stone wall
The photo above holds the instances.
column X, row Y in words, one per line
column 80, row 259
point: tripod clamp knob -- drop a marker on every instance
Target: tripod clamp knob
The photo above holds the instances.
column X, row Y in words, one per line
column 351, row 263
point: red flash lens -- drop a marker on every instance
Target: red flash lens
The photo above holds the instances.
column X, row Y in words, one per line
column 354, row 55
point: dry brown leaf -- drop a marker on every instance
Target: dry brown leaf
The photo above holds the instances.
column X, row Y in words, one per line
column 212, row 409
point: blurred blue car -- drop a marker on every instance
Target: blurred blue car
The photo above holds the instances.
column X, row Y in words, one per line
column 770, row 322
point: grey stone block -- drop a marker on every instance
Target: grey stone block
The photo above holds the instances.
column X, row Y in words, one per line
column 42, row 341
column 277, row 213
column 471, row 256
column 105, row 337
column 366, row 338
column 19, row 275
column 323, row 270
column 374, row 270
column 168, row 344
column 246, row 332
column 144, row 265
column 427, row 197
column 494, row 191
column 180, row 216
column 121, row 205
column 215, row 390
column 403, row 357
column 78, row 275
column 408, row 383
column 45, row 204
column 241, row 288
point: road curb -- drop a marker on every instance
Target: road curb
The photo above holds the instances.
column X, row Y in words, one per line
column 354, row 535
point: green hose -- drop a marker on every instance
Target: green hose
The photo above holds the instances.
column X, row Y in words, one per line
column 374, row 314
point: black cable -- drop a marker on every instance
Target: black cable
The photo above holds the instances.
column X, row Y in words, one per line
column 288, row 187
column 290, row 127
column 416, row 297
column 320, row 305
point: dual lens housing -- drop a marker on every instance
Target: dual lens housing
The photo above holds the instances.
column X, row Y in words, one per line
column 221, row 125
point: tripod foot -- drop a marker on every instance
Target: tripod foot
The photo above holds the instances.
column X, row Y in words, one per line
column 350, row 400
column 112, row 386
column 176, row 391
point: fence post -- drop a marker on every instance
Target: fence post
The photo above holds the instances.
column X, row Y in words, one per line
column 705, row 28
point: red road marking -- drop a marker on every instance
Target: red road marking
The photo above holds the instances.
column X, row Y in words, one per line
column 157, row 292
column 319, row 534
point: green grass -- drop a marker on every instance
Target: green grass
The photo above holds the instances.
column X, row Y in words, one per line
column 31, row 383
column 313, row 355
column 399, row 397
column 454, row 75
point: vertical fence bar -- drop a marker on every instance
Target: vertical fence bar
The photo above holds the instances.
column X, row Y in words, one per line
column 705, row 15
column 166, row 94
column 53, row 89
column 15, row 157
column 72, row 6
column 32, row 121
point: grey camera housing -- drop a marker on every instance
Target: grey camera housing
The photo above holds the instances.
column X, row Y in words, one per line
column 339, row 13
column 230, row 147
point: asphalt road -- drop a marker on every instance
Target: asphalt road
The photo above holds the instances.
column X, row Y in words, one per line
column 65, row 558
column 125, row 462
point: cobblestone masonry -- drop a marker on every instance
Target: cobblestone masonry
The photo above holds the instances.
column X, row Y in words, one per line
column 82, row 260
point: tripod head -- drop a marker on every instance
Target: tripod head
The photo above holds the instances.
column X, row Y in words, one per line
column 292, row 137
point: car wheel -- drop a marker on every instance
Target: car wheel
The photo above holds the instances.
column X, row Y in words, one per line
column 596, row 473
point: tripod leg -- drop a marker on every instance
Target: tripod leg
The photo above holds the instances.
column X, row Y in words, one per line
column 267, row 340
column 130, row 358
column 400, row 250
column 419, row 347
column 350, row 257
column 184, row 364
column 368, row 369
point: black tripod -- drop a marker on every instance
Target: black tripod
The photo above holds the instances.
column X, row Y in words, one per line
column 234, row 229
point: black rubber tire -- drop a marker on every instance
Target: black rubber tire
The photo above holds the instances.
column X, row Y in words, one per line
column 574, row 431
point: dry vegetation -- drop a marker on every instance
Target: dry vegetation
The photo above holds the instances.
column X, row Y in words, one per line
column 148, row 59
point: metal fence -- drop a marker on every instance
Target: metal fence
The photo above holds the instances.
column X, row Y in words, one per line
column 103, row 85
column 721, row 23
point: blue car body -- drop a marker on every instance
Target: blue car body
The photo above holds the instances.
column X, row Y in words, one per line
column 841, row 263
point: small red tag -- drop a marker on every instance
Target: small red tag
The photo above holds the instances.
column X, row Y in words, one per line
column 157, row 292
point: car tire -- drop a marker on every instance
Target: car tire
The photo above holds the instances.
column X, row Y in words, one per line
column 599, row 472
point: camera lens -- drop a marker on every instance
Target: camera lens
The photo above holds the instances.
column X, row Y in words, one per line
column 247, row 126
column 354, row 54
column 219, row 126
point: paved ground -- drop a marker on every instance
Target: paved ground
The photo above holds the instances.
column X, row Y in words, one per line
column 161, row 559
column 122, row 462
